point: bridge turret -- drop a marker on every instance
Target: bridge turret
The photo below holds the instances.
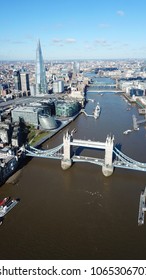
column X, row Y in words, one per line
column 66, row 162
column 107, row 168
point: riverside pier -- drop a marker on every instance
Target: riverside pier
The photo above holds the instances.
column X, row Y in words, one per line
column 142, row 207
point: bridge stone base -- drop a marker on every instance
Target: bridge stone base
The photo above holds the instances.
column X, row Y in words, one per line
column 65, row 164
column 107, row 170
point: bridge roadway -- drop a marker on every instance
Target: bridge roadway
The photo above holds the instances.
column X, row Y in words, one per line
column 97, row 161
column 116, row 163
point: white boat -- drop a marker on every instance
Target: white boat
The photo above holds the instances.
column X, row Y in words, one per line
column 127, row 131
column 97, row 111
column 6, row 208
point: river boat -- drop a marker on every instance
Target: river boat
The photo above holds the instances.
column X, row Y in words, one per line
column 6, row 208
column 97, row 111
column 127, row 131
column 4, row 201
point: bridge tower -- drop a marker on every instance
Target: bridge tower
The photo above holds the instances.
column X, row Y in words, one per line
column 66, row 162
column 107, row 168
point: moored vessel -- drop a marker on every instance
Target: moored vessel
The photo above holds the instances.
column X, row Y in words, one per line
column 4, row 201
column 97, row 111
column 7, row 207
column 142, row 207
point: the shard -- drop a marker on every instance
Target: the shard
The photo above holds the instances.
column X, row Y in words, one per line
column 41, row 84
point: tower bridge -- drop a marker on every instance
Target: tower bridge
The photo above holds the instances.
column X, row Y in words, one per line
column 113, row 157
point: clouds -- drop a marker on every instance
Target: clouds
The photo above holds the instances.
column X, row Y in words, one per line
column 120, row 13
column 102, row 42
column 62, row 42
column 70, row 41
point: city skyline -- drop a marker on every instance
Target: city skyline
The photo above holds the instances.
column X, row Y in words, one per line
column 73, row 30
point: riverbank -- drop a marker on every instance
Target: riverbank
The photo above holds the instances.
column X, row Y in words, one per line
column 64, row 123
column 13, row 179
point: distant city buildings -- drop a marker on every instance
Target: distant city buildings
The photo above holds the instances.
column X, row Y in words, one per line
column 17, row 80
column 40, row 75
column 58, row 86
column 21, row 81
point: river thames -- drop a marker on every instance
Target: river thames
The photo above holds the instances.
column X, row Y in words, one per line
column 79, row 213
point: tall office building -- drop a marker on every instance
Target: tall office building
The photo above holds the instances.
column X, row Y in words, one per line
column 41, row 84
column 24, row 82
column 17, row 80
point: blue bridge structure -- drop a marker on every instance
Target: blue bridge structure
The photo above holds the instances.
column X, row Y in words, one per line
column 65, row 152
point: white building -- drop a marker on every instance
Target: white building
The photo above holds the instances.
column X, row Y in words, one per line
column 58, row 86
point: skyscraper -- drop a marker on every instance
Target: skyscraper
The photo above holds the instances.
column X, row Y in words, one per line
column 41, row 84
column 17, row 80
column 24, row 82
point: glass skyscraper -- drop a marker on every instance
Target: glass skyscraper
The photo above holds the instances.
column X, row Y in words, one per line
column 41, row 84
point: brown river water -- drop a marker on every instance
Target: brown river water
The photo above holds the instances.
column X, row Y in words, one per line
column 79, row 213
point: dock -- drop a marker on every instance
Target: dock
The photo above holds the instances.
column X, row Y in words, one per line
column 142, row 207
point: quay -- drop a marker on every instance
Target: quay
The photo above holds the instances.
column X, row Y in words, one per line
column 142, row 208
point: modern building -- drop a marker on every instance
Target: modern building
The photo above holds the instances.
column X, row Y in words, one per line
column 24, row 82
column 29, row 115
column 67, row 108
column 58, row 86
column 136, row 92
column 33, row 89
column 41, row 84
column 47, row 121
column 76, row 67
column 17, row 80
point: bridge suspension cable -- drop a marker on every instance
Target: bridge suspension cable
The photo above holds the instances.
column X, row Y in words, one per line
column 127, row 159
column 34, row 151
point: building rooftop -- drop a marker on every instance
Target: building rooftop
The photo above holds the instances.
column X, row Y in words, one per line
column 26, row 109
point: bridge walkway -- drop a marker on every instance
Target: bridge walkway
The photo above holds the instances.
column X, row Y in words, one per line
column 88, row 144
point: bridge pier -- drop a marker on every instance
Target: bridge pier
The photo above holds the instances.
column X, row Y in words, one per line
column 107, row 168
column 66, row 162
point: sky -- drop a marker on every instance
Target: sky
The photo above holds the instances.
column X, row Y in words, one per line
column 77, row 29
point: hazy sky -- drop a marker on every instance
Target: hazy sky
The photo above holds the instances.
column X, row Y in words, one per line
column 73, row 29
